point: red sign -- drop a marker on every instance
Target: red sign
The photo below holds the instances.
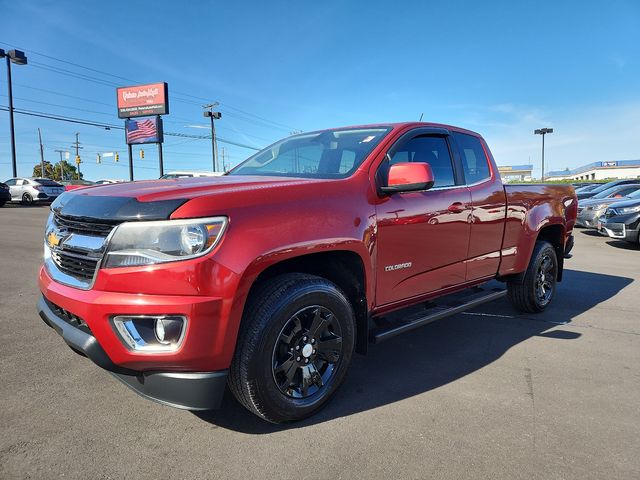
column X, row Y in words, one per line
column 143, row 100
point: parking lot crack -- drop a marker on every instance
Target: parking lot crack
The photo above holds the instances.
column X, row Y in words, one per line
column 529, row 380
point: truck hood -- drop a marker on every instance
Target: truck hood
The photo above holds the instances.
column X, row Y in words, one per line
column 157, row 199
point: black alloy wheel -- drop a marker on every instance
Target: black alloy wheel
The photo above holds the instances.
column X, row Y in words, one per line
column 294, row 347
column 308, row 350
column 535, row 290
column 545, row 280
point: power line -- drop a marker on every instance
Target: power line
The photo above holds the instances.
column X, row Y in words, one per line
column 108, row 126
column 106, row 82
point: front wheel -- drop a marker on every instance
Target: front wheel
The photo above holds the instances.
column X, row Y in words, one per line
column 536, row 290
column 294, row 348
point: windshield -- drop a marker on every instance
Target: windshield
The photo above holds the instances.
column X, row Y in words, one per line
column 603, row 187
column 609, row 191
column 326, row 154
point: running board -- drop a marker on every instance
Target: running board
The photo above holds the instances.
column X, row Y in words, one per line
column 403, row 321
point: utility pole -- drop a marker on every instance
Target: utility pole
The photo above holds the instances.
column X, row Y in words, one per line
column 77, row 146
column 543, row 132
column 214, row 144
column 18, row 57
column 41, row 155
column 61, row 164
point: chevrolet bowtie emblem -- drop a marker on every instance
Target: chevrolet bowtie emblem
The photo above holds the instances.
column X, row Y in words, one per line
column 53, row 239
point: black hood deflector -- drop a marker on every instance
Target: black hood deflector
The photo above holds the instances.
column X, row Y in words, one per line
column 113, row 209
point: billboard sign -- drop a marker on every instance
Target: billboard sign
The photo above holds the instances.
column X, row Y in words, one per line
column 143, row 100
column 143, row 130
column 609, row 164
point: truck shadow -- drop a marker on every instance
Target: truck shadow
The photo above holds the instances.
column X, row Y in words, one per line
column 437, row 354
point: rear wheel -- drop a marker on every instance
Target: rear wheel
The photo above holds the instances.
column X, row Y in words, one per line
column 294, row 348
column 2, row 202
column 27, row 199
column 536, row 290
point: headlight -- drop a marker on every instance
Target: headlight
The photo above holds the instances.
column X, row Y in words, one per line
column 148, row 243
column 624, row 210
column 600, row 206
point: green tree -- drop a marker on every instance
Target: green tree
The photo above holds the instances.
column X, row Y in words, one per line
column 54, row 171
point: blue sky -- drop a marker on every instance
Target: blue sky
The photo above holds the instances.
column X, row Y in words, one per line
column 499, row 68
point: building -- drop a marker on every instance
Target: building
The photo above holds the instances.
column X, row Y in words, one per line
column 520, row 173
column 599, row 171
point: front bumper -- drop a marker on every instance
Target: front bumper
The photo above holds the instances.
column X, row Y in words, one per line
column 188, row 390
column 588, row 218
column 624, row 227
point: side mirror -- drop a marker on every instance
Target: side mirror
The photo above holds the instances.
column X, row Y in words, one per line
column 408, row 177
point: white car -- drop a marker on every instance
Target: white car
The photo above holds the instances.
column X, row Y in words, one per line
column 34, row 190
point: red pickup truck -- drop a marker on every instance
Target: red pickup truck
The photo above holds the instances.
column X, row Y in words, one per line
column 268, row 279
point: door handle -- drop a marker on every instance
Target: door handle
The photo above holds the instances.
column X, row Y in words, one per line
column 456, row 207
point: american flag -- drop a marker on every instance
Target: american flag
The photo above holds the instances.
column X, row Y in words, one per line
column 140, row 130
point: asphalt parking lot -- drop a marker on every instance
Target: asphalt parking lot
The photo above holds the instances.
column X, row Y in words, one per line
column 487, row 394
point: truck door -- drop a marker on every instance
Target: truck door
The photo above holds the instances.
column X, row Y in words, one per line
column 423, row 237
column 488, row 201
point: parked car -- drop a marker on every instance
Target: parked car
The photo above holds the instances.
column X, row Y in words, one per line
column 73, row 184
column 587, row 188
column 622, row 220
column 605, row 186
column 269, row 278
column 190, row 174
column 107, row 181
column 5, row 194
column 590, row 210
column 34, row 190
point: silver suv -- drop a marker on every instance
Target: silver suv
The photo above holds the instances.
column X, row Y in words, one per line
column 32, row 190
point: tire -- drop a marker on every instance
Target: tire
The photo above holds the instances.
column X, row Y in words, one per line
column 537, row 289
column 277, row 372
column 2, row 202
column 27, row 199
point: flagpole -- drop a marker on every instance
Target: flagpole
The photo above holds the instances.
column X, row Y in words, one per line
column 130, row 162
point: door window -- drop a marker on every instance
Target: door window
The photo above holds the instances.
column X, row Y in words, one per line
column 474, row 160
column 432, row 150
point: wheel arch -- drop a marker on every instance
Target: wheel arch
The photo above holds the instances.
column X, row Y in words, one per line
column 343, row 267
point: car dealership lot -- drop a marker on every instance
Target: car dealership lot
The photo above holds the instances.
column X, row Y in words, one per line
column 484, row 394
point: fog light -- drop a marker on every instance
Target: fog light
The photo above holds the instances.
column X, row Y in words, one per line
column 168, row 330
column 151, row 333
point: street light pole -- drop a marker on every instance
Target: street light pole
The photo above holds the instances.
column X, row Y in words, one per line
column 19, row 58
column 543, row 132
column 214, row 144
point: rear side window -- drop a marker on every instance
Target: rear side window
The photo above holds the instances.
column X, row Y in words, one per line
column 432, row 150
column 474, row 160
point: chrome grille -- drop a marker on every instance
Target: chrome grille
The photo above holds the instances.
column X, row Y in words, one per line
column 80, row 226
column 78, row 248
column 75, row 264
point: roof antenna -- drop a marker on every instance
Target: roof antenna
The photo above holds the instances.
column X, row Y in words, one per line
column 421, row 117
